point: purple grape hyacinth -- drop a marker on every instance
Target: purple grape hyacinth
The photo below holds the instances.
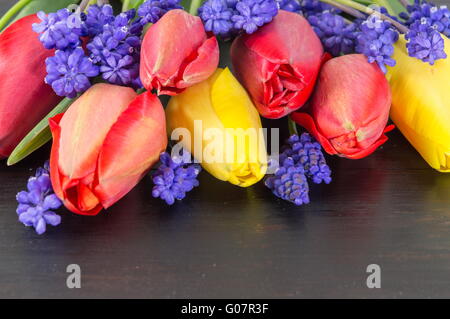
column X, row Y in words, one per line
column 252, row 14
column 60, row 30
column 152, row 10
column 117, row 50
column 425, row 42
column 216, row 16
column 313, row 7
column 376, row 41
column 289, row 183
column 97, row 17
column 68, row 72
column 36, row 205
column 175, row 177
column 300, row 159
column 437, row 17
column 289, row 5
column 336, row 35
column 306, row 151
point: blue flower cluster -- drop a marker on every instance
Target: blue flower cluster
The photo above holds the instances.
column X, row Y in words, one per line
column 175, row 177
column 60, row 30
column 427, row 22
column 337, row 36
column 436, row 17
column 289, row 5
column 424, row 42
column 152, row 10
column 313, row 7
column 376, row 40
column 230, row 17
column 113, row 45
column 289, row 183
column 302, row 158
column 36, row 205
column 116, row 50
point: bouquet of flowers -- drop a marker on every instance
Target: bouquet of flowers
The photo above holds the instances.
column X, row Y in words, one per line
column 88, row 76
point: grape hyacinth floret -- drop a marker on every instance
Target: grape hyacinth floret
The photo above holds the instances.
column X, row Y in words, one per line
column 252, row 14
column 216, row 16
column 289, row 5
column 36, row 205
column 437, row 17
column 174, row 178
column 336, row 35
column 425, row 42
column 289, row 183
column 227, row 18
column 306, row 151
column 376, row 41
column 313, row 7
column 300, row 159
column 152, row 10
column 117, row 50
column 97, row 17
column 60, row 30
column 68, row 72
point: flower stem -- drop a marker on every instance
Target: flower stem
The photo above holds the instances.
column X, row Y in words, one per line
column 292, row 127
column 195, row 4
column 12, row 12
column 369, row 11
column 83, row 5
column 405, row 3
column 125, row 6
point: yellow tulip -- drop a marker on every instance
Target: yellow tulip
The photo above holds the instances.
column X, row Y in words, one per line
column 421, row 104
column 225, row 133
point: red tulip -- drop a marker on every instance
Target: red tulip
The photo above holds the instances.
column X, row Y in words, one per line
column 103, row 145
column 177, row 53
column 278, row 64
column 350, row 107
column 24, row 97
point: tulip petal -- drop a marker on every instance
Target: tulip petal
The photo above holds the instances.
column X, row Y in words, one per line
column 54, row 170
column 279, row 68
column 65, row 191
column 22, row 61
column 176, row 53
column 131, row 147
column 85, row 126
column 306, row 121
column 203, row 66
column 221, row 105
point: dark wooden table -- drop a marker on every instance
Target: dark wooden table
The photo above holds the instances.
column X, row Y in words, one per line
column 389, row 209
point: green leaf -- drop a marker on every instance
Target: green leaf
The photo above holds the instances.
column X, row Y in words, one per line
column 38, row 136
column 43, row 5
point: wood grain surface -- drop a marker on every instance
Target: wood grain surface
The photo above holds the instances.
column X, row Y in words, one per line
column 389, row 209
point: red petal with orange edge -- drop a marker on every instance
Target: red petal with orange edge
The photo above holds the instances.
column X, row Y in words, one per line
column 131, row 148
column 307, row 122
column 85, row 125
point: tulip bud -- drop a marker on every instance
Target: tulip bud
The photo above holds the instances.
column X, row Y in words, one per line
column 225, row 129
column 421, row 104
column 278, row 64
column 103, row 145
column 24, row 97
column 177, row 53
column 349, row 108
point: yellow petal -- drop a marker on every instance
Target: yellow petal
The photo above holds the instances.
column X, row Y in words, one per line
column 225, row 109
column 421, row 104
